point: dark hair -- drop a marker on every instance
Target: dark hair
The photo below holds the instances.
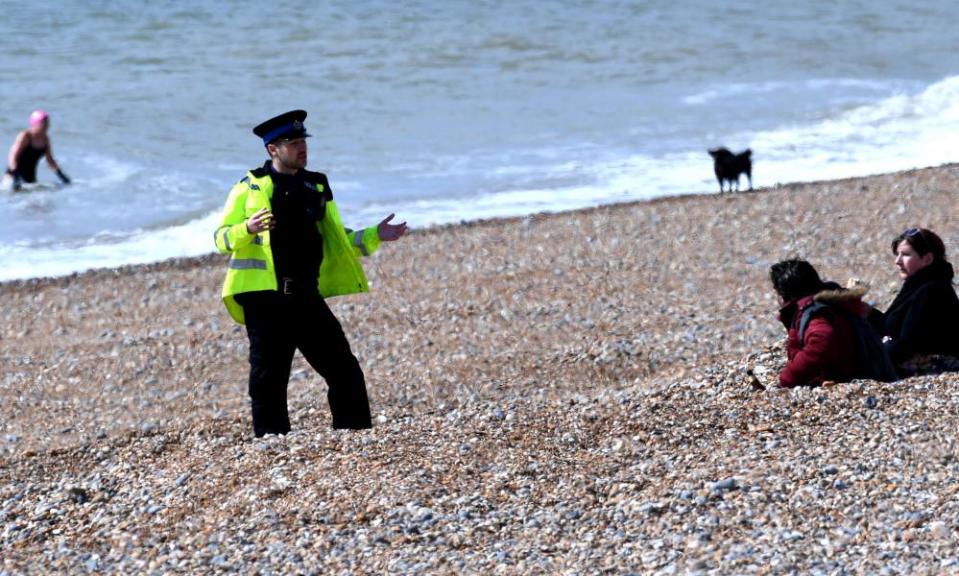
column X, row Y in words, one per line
column 795, row 278
column 925, row 241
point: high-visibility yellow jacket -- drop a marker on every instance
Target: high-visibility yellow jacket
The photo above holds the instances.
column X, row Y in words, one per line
column 251, row 264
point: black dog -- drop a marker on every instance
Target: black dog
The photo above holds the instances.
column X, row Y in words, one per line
column 729, row 166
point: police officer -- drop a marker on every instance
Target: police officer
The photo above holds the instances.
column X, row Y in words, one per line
column 289, row 250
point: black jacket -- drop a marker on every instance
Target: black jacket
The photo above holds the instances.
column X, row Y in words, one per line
column 924, row 317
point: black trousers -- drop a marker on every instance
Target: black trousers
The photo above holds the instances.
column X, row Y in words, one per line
column 279, row 324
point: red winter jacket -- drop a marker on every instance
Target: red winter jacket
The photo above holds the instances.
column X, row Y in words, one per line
column 828, row 350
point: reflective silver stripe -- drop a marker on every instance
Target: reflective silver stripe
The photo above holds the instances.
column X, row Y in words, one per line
column 247, row 264
column 226, row 239
column 358, row 240
column 258, row 240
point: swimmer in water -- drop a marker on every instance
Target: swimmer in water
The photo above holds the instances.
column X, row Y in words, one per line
column 27, row 149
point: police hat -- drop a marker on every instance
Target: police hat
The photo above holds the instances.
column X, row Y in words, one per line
column 286, row 125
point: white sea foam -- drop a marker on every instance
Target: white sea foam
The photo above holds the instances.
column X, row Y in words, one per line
column 753, row 89
column 899, row 132
column 190, row 239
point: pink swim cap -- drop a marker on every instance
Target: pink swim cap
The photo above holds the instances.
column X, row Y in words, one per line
column 38, row 117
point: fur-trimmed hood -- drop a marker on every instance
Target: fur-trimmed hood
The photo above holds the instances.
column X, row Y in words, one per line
column 834, row 294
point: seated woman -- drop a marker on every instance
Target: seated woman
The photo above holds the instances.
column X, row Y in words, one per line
column 921, row 326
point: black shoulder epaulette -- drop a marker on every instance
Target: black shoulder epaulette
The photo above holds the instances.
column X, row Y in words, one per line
column 319, row 178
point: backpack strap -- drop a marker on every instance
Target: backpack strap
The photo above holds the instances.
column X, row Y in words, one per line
column 806, row 317
column 871, row 357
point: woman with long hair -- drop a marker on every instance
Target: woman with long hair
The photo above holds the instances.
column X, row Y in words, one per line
column 921, row 326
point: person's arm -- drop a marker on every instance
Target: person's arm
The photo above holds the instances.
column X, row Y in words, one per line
column 367, row 240
column 53, row 163
column 916, row 321
column 235, row 230
column 817, row 354
column 15, row 151
column 877, row 320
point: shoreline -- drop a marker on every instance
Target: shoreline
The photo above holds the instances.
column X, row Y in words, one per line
column 202, row 260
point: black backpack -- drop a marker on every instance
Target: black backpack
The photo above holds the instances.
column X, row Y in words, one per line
column 872, row 360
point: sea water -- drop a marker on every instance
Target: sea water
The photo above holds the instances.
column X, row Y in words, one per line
column 453, row 110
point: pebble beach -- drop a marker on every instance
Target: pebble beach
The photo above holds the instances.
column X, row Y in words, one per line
column 588, row 392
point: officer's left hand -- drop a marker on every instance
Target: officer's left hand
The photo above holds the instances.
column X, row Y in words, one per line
column 390, row 232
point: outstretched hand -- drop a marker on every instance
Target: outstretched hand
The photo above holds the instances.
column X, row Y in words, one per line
column 390, row 232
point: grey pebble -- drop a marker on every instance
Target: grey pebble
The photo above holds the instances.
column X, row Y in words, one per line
column 724, row 485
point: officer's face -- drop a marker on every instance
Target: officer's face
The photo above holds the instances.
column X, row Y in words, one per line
column 291, row 153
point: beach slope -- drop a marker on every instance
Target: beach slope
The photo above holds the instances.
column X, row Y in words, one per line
column 559, row 393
